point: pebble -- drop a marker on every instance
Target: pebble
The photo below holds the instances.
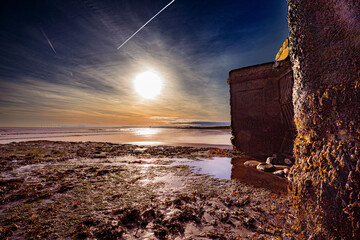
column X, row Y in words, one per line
column 279, row 160
column 275, row 159
column 279, row 173
column 287, row 161
column 251, row 163
column 269, row 160
column 281, row 167
column 265, row 167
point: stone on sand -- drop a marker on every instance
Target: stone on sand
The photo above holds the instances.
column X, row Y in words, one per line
column 252, row 163
column 265, row 167
column 279, row 173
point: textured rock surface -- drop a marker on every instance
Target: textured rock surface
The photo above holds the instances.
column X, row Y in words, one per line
column 324, row 50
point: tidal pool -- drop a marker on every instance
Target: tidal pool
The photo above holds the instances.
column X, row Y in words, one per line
column 234, row 168
column 218, row 167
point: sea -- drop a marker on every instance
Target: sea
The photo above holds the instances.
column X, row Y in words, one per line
column 197, row 137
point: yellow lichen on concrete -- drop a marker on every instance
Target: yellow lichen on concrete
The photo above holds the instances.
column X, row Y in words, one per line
column 283, row 52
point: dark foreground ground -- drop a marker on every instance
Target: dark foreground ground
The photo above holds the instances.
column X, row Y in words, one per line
column 68, row 190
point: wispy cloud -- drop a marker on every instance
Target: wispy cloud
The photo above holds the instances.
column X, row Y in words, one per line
column 48, row 40
column 89, row 81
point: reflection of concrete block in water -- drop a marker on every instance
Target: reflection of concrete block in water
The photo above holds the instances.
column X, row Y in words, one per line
column 261, row 108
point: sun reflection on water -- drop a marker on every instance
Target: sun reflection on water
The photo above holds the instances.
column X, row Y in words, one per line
column 146, row 132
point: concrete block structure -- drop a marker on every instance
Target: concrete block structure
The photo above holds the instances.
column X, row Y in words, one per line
column 261, row 108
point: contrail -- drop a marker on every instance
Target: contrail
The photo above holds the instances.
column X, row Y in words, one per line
column 145, row 24
column 48, row 40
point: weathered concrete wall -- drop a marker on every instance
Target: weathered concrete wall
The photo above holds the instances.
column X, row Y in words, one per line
column 325, row 53
column 261, row 109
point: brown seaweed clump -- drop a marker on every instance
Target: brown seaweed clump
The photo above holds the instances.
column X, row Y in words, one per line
column 325, row 183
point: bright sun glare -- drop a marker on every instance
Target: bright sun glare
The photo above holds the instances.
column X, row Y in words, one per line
column 148, row 84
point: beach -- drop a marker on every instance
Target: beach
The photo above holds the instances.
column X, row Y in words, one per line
column 97, row 190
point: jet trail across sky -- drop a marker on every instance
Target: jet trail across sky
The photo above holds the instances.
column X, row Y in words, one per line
column 48, row 40
column 146, row 24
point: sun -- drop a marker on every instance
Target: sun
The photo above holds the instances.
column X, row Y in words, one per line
column 148, row 84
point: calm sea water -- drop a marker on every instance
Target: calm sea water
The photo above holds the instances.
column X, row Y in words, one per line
column 138, row 136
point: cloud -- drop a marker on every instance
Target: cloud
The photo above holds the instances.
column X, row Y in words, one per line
column 192, row 45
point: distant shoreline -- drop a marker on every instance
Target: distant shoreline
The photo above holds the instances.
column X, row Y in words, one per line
column 176, row 136
column 125, row 127
column 215, row 127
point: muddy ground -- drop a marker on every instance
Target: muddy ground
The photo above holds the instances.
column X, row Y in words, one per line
column 68, row 190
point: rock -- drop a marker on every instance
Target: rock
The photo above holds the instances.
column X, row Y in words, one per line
column 265, row 167
column 269, row 160
column 275, row 160
column 288, row 161
column 252, row 163
column 281, row 167
column 279, row 173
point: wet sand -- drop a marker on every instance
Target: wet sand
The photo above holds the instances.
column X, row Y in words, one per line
column 72, row 190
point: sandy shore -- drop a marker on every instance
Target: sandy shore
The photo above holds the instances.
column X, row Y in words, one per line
column 75, row 190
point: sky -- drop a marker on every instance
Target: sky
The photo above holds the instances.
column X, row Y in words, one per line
column 60, row 66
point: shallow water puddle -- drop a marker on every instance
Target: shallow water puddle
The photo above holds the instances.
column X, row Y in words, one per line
column 218, row 167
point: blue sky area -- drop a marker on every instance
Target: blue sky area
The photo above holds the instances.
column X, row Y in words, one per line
column 59, row 63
